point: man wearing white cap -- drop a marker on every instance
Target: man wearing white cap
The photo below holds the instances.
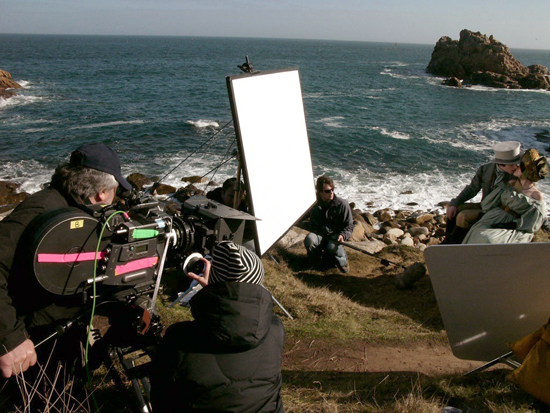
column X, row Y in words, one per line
column 461, row 215
column 228, row 359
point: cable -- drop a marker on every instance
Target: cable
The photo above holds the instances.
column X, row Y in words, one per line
column 94, row 295
column 195, row 151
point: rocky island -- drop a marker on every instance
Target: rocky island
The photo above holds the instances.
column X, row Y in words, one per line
column 480, row 60
column 6, row 84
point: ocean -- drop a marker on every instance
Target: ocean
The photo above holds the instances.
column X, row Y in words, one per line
column 388, row 133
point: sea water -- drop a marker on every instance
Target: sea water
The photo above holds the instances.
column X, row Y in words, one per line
column 388, row 133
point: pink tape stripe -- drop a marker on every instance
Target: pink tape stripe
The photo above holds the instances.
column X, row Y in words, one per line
column 68, row 258
column 136, row 265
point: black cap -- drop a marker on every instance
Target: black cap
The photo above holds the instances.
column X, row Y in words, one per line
column 102, row 158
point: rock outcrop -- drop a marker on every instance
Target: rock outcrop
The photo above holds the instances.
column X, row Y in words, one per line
column 480, row 60
column 6, row 83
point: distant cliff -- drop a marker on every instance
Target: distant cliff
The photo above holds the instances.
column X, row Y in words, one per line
column 480, row 60
column 6, row 82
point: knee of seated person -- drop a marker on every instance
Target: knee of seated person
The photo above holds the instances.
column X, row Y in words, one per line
column 332, row 247
column 467, row 218
column 312, row 241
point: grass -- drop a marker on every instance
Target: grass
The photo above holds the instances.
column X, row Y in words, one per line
column 356, row 312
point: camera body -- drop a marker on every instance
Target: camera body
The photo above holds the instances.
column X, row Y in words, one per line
column 122, row 251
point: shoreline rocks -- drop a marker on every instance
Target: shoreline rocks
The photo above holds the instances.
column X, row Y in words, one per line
column 373, row 231
column 476, row 59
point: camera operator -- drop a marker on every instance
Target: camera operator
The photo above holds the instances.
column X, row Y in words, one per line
column 26, row 314
column 229, row 358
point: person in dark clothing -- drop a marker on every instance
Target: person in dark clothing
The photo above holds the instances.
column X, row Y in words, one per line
column 91, row 177
column 331, row 222
column 228, row 359
column 226, row 194
column 461, row 215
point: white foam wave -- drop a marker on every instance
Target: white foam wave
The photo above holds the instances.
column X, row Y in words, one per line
column 392, row 134
column 35, row 130
column 389, row 72
column 31, row 175
column 25, row 84
column 19, row 100
column 105, row 124
column 370, row 191
column 203, row 123
column 373, row 191
column 332, row 121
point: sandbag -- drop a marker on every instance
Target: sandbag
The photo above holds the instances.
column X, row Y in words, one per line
column 533, row 376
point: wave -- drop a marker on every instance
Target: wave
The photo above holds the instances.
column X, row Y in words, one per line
column 20, row 100
column 203, row 123
column 104, row 124
column 332, row 121
column 391, row 73
column 392, row 134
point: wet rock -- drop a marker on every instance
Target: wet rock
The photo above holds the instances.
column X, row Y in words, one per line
column 9, row 194
column 163, row 189
column 139, row 181
column 478, row 59
column 196, row 179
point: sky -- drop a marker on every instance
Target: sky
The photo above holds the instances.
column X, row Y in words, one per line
column 517, row 24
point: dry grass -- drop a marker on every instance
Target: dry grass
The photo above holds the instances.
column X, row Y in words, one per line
column 360, row 307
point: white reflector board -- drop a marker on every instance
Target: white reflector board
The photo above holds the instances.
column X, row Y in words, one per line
column 270, row 124
column 490, row 294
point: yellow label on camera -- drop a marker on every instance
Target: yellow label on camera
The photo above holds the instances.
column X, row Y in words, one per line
column 79, row 223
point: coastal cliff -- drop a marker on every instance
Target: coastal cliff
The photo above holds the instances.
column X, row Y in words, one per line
column 480, row 60
column 6, row 84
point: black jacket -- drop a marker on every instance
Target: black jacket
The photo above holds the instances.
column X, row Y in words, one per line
column 17, row 283
column 332, row 219
column 227, row 360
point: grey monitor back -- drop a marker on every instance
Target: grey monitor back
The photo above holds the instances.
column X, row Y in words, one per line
column 270, row 124
column 489, row 295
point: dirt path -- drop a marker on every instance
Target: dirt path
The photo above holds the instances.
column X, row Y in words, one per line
column 428, row 359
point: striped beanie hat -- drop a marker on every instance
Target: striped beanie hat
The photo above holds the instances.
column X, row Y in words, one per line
column 232, row 262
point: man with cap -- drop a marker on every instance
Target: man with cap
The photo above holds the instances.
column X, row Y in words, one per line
column 228, row 359
column 461, row 215
column 91, row 177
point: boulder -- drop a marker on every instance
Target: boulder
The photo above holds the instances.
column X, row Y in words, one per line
column 138, row 181
column 359, row 233
column 163, row 189
column 196, row 179
column 183, row 194
column 453, row 81
column 9, row 195
column 478, row 59
column 6, row 82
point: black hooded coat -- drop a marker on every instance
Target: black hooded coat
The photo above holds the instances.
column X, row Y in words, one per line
column 227, row 360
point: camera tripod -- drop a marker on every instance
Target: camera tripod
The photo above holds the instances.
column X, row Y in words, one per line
column 119, row 345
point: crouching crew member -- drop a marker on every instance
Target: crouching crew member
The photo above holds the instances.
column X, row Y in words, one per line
column 229, row 358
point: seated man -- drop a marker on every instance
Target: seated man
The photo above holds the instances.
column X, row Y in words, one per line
column 331, row 223
column 229, row 358
column 27, row 312
column 461, row 215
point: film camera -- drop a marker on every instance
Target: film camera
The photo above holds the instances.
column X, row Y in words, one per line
column 124, row 251
column 114, row 257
